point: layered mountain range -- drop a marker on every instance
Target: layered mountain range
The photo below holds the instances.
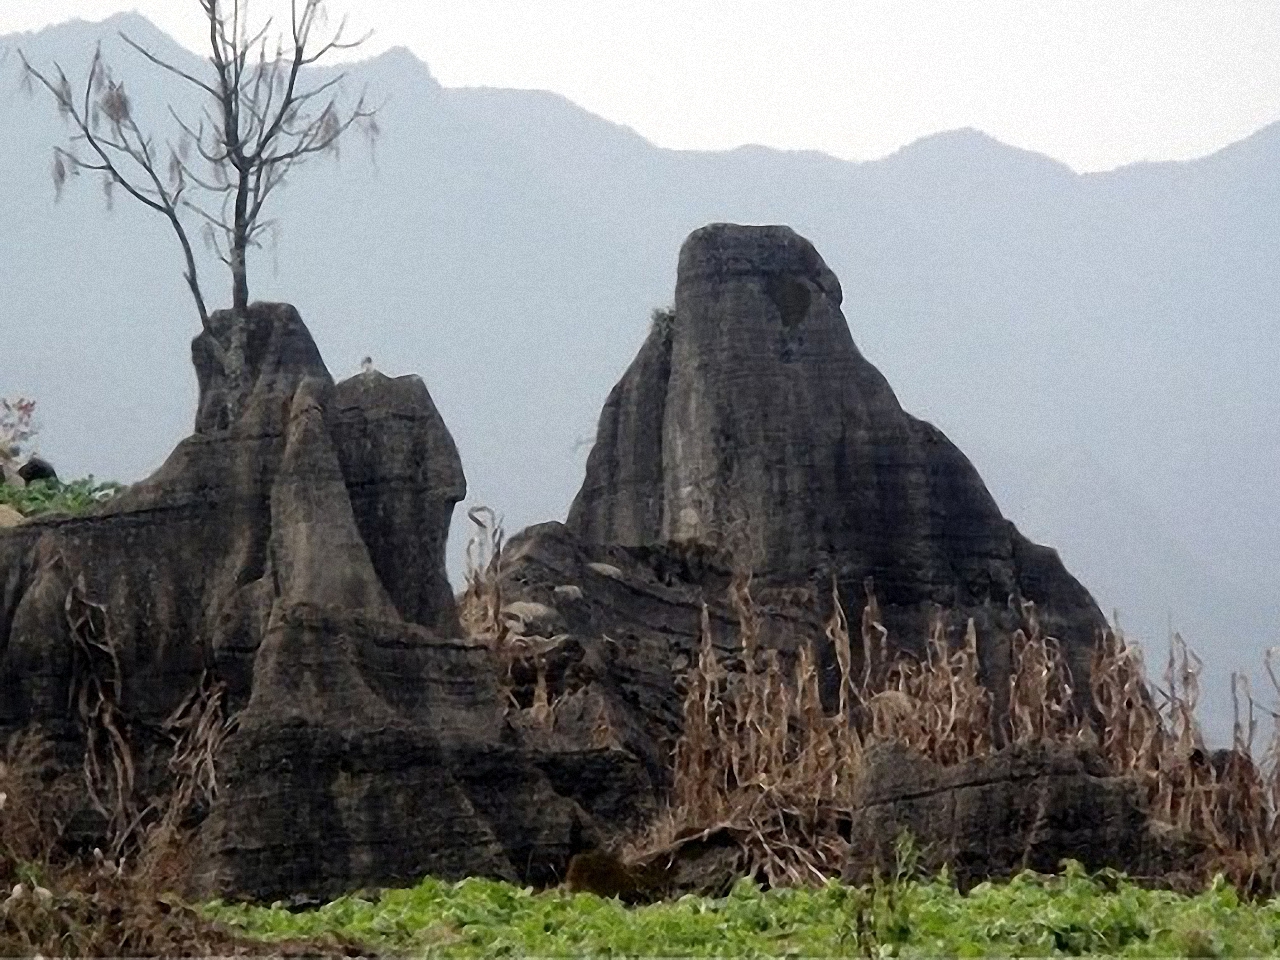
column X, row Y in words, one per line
column 1101, row 346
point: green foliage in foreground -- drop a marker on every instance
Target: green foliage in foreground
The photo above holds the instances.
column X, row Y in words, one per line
column 1070, row 915
column 52, row 496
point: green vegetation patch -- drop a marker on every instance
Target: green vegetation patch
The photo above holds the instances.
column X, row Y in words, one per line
column 1031, row 916
column 53, row 496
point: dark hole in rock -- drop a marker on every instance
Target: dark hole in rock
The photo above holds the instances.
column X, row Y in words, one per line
column 790, row 296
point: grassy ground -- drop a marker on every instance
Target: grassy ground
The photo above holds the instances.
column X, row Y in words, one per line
column 1069, row 915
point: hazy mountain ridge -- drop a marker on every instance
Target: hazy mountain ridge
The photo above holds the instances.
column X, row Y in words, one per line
column 1101, row 345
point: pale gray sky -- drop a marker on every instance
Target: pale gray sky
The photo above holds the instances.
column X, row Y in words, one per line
column 1095, row 83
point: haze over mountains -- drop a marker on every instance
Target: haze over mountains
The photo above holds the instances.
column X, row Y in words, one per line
column 1104, row 347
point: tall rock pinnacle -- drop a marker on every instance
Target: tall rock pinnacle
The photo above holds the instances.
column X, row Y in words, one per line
column 751, row 421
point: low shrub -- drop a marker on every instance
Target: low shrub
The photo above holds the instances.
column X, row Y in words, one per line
column 53, row 496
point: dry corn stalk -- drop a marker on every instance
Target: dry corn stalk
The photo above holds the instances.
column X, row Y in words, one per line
column 1131, row 732
column 96, row 688
column 761, row 761
column 480, row 606
column 480, row 609
column 937, row 706
column 1041, row 705
column 1271, row 758
column 1241, row 816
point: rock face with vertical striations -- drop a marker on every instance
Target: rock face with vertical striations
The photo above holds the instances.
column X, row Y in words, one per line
column 403, row 476
column 751, row 421
column 291, row 550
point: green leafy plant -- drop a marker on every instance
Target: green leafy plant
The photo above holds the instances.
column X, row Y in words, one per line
column 52, row 496
column 1072, row 914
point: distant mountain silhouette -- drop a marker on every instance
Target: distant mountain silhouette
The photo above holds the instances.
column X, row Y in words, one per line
column 1102, row 346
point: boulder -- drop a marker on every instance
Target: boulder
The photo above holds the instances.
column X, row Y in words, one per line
column 751, row 422
column 9, row 517
column 1026, row 807
column 291, row 550
column 36, row 469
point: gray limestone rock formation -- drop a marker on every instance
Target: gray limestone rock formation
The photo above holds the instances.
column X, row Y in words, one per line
column 631, row 618
column 292, row 549
column 1026, row 807
column 403, row 476
column 751, row 422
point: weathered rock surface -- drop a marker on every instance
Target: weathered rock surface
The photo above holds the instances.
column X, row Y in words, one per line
column 403, row 476
column 9, row 517
column 631, row 621
column 292, row 549
column 1024, row 807
column 751, row 421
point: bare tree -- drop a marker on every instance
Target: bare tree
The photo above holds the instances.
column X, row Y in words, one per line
column 259, row 119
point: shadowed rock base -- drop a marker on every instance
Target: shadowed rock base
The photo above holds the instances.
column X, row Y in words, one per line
column 1027, row 807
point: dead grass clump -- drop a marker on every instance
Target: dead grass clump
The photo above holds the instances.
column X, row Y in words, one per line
column 1041, row 698
column 480, row 604
column 37, row 800
column 117, row 903
column 1152, row 734
column 1131, row 731
column 938, row 705
column 761, row 761
column 1226, row 800
column 106, row 909
column 485, row 621
column 57, row 904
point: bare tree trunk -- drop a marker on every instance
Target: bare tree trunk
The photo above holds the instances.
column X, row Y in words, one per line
column 235, row 361
column 239, row 248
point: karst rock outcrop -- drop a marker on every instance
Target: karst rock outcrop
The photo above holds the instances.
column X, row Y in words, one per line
column 750, row 420
column 1029, row 806
column 290, row 554
column 750, row 433
column 285, row 568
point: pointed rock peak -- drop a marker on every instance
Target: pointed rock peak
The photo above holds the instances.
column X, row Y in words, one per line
column 720, row 251
column 766, row 435
column 269, row 350
column 403, row 476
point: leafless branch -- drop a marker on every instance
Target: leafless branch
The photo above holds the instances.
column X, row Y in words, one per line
column 257, row 123
column 165, row 65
